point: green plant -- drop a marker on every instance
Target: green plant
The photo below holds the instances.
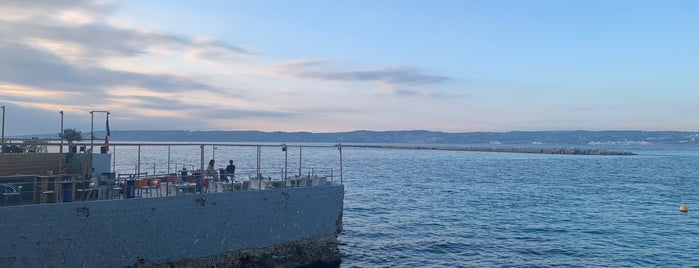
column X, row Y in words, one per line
column 71, row 135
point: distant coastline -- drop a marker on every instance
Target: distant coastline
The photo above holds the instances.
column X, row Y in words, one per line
column 534, row 138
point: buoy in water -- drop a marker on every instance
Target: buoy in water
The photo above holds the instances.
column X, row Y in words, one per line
column 683, row 208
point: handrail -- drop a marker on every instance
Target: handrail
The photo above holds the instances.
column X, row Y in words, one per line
column 132, row 177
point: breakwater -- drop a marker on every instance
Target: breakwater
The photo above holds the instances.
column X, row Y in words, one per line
column 570, row 151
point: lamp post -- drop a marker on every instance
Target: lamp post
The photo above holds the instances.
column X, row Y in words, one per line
column 60, row 134
column 2, row 147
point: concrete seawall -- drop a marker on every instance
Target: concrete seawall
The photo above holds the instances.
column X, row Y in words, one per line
column 285, row 227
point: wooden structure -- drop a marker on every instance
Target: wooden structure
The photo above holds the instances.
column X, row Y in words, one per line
column 31, row 164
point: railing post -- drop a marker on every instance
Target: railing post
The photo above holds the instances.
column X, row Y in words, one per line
column 201, row 163
column 339, row 147
column 300, row 159
column 114, row 160
column 259, row 175
column 168, row 159
column 286, row 163
column 138, row 164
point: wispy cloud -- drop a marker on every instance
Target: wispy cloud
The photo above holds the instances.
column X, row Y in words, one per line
column 396, row 79
column 38, row 68
column 394, row 76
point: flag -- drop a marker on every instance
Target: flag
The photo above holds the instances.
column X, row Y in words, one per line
column 106, row 136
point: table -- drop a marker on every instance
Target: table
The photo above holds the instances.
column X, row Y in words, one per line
column 185, row 188
column 47, row 189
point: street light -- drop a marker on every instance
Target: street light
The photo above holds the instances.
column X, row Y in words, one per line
column 2, row 147
column 60, row 134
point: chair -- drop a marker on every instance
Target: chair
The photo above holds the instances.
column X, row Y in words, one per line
column 48, row 195
column 117, row 189
column 155, row 184
column 86, row 191
column 143, row 186
column 9, row 191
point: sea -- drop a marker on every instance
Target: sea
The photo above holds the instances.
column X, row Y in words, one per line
column 423, row 208
column 432, row 208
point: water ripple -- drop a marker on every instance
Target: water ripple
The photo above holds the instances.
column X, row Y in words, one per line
column 463, row 209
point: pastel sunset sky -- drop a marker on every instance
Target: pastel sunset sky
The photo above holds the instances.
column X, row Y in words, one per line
column 329, row 66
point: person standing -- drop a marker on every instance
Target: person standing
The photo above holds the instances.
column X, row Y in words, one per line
column 230, row 169
column 210, row 168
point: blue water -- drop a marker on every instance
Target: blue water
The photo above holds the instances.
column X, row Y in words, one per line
column 408, row 208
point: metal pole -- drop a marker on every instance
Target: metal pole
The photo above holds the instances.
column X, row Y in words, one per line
column 92, row 129
column 201, row 166
column 105, row 134
column 60, row 134
column 259, row 176
column 300, row 150
column 286, row 163
column 114, row 160
column 201, row 170
column 259, row 151
column 168, row 159
column 138, row 165
column 2, row 148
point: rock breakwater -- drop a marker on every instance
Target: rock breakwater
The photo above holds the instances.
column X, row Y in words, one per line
column 568, row 151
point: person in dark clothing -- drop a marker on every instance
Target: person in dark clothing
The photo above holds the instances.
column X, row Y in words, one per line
column 230, row 169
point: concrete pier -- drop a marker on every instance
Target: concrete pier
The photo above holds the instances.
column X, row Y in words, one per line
column 285, row 227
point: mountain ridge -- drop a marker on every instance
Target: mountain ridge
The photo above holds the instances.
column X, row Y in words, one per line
column 573, row 137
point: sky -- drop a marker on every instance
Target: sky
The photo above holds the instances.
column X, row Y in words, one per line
column 332, row 66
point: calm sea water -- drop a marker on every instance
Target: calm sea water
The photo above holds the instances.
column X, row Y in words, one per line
column 406, row 208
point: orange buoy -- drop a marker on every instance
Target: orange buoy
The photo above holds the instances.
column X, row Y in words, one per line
column 683, row 208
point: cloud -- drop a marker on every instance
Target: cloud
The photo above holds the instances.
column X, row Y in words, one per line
column 393, row 76
column 397, row 79
column 37, row 68
column 88, row 10
column 76, row 55
column 64, row 46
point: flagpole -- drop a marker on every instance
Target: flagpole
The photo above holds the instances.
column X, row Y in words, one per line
column 92, row 135
column 107, row 134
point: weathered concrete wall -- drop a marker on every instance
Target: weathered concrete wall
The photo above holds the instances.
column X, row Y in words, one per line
column 120, row 233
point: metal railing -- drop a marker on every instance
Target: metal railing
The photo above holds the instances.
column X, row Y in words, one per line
column 139, row 170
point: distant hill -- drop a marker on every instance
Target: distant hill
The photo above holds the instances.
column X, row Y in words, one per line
column 415, row 137
column 576, row 137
